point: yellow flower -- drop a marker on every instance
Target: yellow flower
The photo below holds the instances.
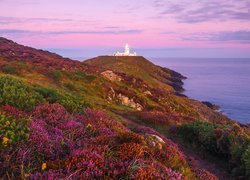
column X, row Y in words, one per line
column 44, row 166
column 7, row 123
column 5, row 141
column 89, row 126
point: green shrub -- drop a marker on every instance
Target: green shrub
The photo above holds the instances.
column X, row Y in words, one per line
column 76, row 76
column 51, row 95
column 56, row 75
column 79, row 75
column 69, row 86
column 246, row 161
column 200, row 133
column 206, row 136
column 12, row 130
column 90, row 78
column 231, row 142
column 9, row 69
column 224, row 142
column 71, row 102
column 18, row 94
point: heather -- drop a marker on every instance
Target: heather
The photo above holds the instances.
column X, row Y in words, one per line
column 56, row 144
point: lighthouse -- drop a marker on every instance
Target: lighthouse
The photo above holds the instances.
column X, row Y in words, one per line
column 126, row 52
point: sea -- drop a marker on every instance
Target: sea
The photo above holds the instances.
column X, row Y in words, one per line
column 223, row 82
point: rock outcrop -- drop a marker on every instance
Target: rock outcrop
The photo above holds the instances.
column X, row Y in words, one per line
column 110, row 75
column 124, row 100
column 155, row 141
column 129, row 102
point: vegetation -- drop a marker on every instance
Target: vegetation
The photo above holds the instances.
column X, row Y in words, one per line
column 12, row 130
column 9, row 69
column 59, row 145
column 16, row 93
column 69, row 101
column 56, row 75
column 228, row 142
column 63, row 119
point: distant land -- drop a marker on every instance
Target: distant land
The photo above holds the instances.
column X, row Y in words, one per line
column 109, row 117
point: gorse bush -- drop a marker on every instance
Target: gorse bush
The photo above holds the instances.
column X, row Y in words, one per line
column 16, row 93
column 9, row 69
column 13, row 130
column 81, row 76
column 14, row 134
column 69, row 86
column 71, row 102
column 201, row 132
column 56, row 75
column 231, row 143
column 51, row 95
column 246, row 160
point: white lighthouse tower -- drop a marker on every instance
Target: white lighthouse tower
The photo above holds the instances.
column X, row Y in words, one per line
column 127, row 50
column 125, row 53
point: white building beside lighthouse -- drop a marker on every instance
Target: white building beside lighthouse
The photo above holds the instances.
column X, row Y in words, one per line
column 125, row 53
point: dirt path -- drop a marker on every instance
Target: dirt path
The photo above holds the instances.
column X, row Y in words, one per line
column 204, row 163
column 195, row 160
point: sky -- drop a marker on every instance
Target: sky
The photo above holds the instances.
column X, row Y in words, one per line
column 154, row 28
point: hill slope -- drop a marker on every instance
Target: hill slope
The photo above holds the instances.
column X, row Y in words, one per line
column 163, row 84
column 11, row 51
column 106, row 118
column 141, row 68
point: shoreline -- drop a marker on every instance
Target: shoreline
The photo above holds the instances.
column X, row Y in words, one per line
column 214, row 107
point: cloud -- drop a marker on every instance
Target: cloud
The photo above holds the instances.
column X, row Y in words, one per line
column 202, row 11
column 114, row 32
column 158, row 3
column 111, row 27
column 13, row 31
column 20, row 2
column 13, row 20
column 28, row 32
column 242, row 37
column 174, row 8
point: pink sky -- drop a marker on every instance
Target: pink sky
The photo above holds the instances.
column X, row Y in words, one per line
column 185, row 26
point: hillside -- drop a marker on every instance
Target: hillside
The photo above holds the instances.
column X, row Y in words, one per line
column 108, row 118
column 159, row 87
column 141, row 68
column 11, row 51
